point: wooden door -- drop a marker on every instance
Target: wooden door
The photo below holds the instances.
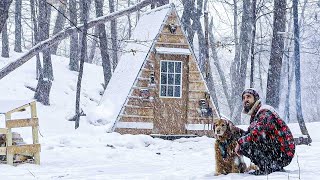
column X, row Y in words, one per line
column 170, row 111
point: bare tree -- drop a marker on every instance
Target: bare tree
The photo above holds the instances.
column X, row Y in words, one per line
column 114, row 38
column 73, row 63
column 106, row 64
column 296, row 28
column 239, row 65
column 277, row 48
column 42, row 93
column 35, row 39
column 129, row 22
column 216, row 62
column 82, row 58
column 18, row 26
column 59, row 24
column 4, row 10
column 254, row 19
column 5, row 42
column 188, row 6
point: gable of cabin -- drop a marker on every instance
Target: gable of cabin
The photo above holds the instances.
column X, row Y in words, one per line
column 169, row 94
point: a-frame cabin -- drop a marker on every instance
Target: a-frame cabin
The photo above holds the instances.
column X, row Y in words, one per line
column 157, row 87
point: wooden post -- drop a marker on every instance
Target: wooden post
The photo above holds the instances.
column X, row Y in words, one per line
column 35, row 130
column 9, row 140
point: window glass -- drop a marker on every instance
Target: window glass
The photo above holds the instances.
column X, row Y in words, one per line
column 170, row 78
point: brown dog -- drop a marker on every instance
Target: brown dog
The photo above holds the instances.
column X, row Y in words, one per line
column 227, row 161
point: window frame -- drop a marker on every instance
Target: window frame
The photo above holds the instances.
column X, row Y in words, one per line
column 174, row 73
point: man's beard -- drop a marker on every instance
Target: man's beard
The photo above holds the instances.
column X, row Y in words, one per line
column 247, row 107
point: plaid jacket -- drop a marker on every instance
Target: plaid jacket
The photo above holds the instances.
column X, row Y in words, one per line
column 266, row 126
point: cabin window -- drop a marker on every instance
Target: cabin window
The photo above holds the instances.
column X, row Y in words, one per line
column 170, row 78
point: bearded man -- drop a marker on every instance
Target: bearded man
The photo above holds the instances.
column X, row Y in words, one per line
column 268, row 142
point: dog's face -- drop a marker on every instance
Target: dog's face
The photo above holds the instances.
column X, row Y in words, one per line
column 221, row 127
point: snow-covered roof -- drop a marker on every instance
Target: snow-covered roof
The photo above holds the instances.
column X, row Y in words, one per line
column 135, row 52
column 178, row 51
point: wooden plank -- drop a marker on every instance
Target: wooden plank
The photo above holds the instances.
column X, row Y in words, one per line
column 136, row 116
column 138, row 112
column 37, row 158
column 3, row 151
column 135, row 119
column 195, row 81
column 199, row 90
column 143, row 78
column 14, row 123
column 21, row 149
column 3, row 130
column 179, row 44
column 35, row 137
column 196, row 95
column 21, row 108
column 139, row 107
column 33, row 109
column 170, row 34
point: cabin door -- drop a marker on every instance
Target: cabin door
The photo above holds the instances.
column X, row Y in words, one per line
column 170, row 112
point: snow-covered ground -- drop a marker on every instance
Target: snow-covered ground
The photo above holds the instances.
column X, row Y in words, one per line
column 91, row 153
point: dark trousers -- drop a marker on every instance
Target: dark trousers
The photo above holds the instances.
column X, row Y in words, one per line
column 266, row 155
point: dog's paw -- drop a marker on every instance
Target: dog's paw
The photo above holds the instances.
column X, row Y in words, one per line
column 217, row 174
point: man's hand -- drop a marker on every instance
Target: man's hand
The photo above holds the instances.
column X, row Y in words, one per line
column 237, row 149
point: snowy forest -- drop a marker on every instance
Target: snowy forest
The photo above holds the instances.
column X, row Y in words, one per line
column 64, row 53
column 269, row 45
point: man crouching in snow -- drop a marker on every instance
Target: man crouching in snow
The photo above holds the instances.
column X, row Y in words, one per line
column 268, row 143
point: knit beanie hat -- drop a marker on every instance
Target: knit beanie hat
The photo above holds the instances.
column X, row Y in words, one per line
column 253, row 92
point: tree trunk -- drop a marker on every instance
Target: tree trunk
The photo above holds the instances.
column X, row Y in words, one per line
column 239, row 67
column 5, row 42
column 42, row 93
column 300, row 119
column 218, row 66
column 106, row 64
column 36, row 36
column 93, row 45
column 207, row 65
column 73, row 63
column 114, row 38
column 59, row 25
column 18, row 27
column 277, row 47
column 254, row 16
column 82, row 58
column 188, row 6
column 44, row 28
column 129, row 22
column 4, row 10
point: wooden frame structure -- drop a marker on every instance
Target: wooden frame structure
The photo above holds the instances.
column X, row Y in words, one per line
column 10, row 149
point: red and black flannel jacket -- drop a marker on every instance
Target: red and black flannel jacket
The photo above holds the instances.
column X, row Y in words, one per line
column 266, row 126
